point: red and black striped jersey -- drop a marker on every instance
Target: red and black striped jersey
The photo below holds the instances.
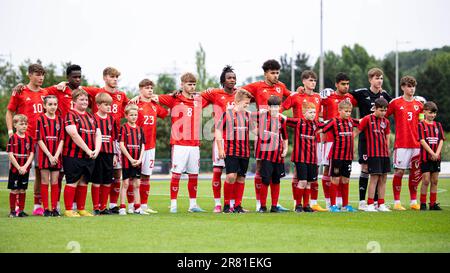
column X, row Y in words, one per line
column 51, row 132
column 21, row 147
column 271, row 133
column 305, row 141
column 342, row 137
column 108, row 128
column 86, row 127
column 376, row 131
column 236, row 127
column 133, row 138
column 432, row 134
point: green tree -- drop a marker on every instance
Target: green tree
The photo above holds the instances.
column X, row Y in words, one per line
column 300, row 64
column 433, row 84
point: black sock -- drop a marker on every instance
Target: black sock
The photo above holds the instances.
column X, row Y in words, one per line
column 363, row 181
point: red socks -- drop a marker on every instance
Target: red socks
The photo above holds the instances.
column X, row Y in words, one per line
column 333, row 193
column 306, row 194
column 326, row 181
column 144, row 190
column 22, row 197
column 314, row 190
column 192, row 185
column 114, row 191
column 104, row 192
column 370, row 201
column 298, row 199
column 95, row 193
column 44, row 194
column 174, row 185
column 258, row 186
column 216, row 182
column 81, row 196
column 412, row 185
column 397, row 186
column 69, row 194
column 55, row 193
column 12, row 201
column 433, row 197
column 227, row 189
column 344, row 194
column 263, row 194
column 239, row 192
column 274, row 193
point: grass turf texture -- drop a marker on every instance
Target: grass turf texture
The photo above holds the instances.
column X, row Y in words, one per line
column 407, row 231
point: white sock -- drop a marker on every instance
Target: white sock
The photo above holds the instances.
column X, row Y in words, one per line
column 36, row 206
column 192, row 202
column 144, row 207
column 58, row 207
column 328, row 201
column 397, row 202
column 112, row 205
column 217, row 202
column 339, row 201
column 173, row 203
column 258, row 204
column 313, row 202
column 232, row 203
column 74, row 206
column 131, row 206
column 413, row 202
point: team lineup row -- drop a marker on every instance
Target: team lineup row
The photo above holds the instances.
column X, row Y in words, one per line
column 95, row 147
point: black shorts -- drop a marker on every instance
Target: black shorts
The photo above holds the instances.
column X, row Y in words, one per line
column 234, row 164
column 379, row 165
column 103, row 171
column 431, row 166
column 132, row 172
column 306, row 171
column 271, row 172
column 340, row 168
column 75, row 168
column 362, row 149
column 17, row 181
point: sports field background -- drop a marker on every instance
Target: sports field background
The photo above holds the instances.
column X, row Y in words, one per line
column 408, row 231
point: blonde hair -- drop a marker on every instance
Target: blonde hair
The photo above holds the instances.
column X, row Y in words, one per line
column 344, row 104
column 78, row 93
column 103, row 98
column 19, row 118
column 188, row 77
column 375, row 72
column 307, row 105
column 241, row 94
column 130, row 107
column 111, row 71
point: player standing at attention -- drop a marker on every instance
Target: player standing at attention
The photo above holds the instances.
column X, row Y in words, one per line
column 377, row 129
column 406, row 110
column 341, row 153
column 304, row 154
column 186, row 112
column 120, row 100
column 148, row 113
column 271, row 149
column 295, row 101
column 330, row 103
column 20, row 151
column 29, row 103
column 50, row 138
column 431, row 137
column 132, row 145
column 262, row 91
column 232, row 136
column 104, row 163
column 82, row 144
column 221, row 99
column 366, row 99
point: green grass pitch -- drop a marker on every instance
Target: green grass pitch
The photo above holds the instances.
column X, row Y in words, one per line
column 408, row 231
